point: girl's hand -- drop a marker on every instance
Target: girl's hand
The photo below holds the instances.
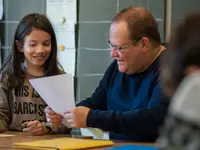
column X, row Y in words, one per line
column 35, row 128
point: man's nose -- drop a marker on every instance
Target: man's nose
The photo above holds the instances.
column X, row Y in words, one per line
column 114, row 53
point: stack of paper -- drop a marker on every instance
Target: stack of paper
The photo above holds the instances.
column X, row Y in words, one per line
column 63, row 144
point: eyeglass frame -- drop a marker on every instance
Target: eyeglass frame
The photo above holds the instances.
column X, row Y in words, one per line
column 124, row 46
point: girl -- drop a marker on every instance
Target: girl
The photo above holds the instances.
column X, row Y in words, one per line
column 34, row 54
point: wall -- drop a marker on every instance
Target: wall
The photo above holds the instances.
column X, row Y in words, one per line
column 94, row 16
column 14, row 10
column 180, row 8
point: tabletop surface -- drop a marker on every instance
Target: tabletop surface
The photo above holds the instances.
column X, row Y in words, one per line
column 7, row 142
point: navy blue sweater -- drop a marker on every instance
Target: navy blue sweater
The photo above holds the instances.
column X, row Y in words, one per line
column 130, row 107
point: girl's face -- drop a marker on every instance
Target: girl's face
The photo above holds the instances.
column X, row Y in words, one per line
column 36, row 48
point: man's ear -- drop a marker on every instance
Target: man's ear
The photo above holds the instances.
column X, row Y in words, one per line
column 19, row 46
column 145, row 43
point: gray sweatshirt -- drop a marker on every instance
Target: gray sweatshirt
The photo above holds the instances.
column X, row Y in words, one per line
column 20, row 105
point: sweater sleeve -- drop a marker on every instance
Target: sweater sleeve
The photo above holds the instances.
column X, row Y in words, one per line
column 140, row 122
column 4, row 107
column 98, row 100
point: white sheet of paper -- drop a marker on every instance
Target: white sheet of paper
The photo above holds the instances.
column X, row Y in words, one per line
column 65, row 27
column 61, row 8
column 57, row 91
column 63, row 16
column 66, row 38
column 6, row 135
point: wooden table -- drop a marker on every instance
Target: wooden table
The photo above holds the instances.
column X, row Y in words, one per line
column 7, row 142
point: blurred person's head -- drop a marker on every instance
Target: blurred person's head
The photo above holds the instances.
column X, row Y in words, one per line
column 134, row 39
column 181, row 79
column 183, row 55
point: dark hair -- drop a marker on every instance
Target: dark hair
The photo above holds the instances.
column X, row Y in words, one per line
column 184, row 51
column 12, row 68
column 140, row 23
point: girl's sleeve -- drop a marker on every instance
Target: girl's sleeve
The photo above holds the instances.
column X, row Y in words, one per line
column 4, row 107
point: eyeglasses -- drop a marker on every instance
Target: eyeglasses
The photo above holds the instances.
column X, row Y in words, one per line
column 120, row 48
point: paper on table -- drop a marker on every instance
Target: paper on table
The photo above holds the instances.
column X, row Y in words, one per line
column 64, row 144
column 6, row 135
column 57, row 91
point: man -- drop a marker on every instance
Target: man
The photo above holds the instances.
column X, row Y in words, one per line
column 128, row 101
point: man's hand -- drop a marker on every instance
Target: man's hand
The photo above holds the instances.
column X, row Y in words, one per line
column 76, row 117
